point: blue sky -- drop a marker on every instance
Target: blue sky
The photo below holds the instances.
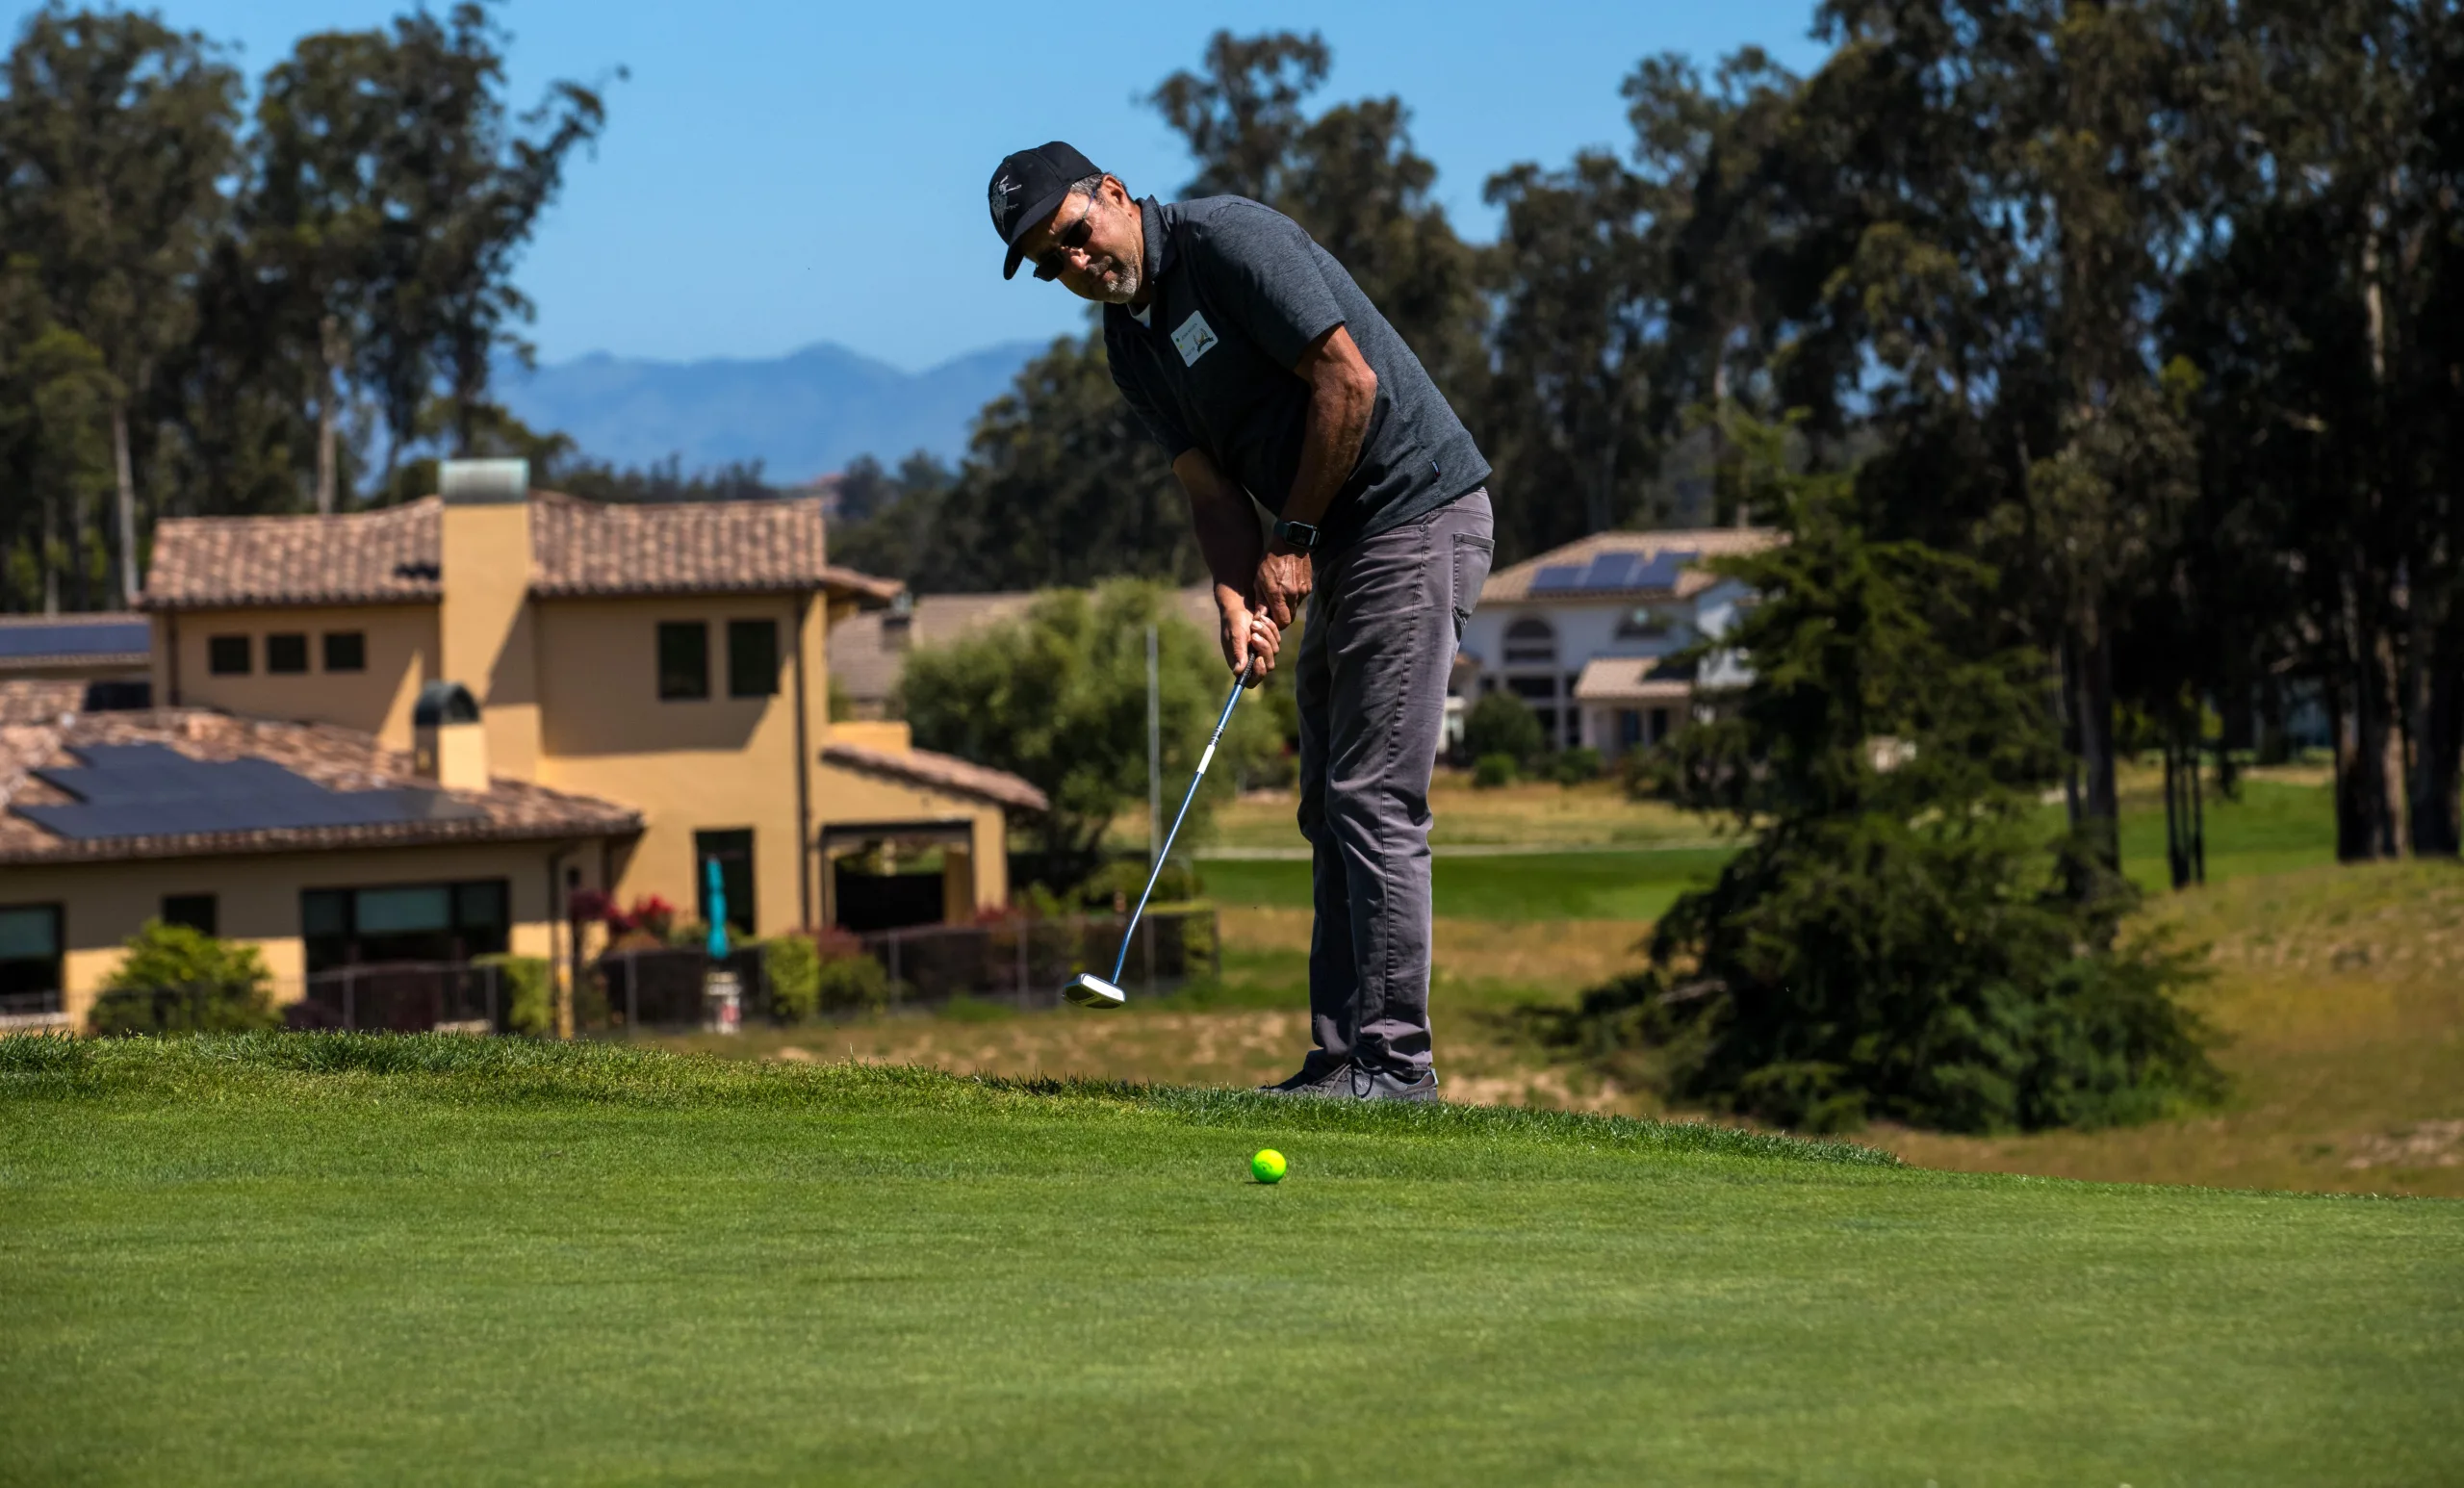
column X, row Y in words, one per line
column 774, row 174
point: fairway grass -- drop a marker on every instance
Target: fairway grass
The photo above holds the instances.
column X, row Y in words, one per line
column 294, row 1259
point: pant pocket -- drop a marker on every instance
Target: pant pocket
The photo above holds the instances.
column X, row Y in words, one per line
column 1472, row 557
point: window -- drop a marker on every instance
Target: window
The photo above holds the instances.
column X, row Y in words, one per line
column 405, row 922
column 753, row 658
column 683, row 659
column 346, row 651
column 227, row 655
column 287, row 653
column 1644, row 624
column 1533, row 689
column 1531, row 640
column 1630, row 726
column 195, row 910
column 30, row 957
column 733, row 851
column 1660, row 724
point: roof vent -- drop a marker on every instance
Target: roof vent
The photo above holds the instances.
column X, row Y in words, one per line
column 444, row 702
column 483, row 483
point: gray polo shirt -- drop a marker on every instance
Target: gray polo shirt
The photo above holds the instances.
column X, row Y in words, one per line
column 1240, row 292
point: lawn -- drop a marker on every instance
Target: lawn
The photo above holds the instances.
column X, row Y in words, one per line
column 491, row 1260
column 1572, row 885
column 1575, row 867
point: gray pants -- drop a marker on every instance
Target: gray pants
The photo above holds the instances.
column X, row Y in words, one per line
column 1384, row 619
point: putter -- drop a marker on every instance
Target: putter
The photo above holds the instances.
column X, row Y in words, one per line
column 1089, row 990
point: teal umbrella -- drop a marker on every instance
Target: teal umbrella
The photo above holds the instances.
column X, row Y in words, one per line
column 718, row 909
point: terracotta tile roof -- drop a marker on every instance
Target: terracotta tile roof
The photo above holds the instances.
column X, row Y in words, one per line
column 365, row 557
column 940, row 772
column 1628, row 680
column 33, row 700
column 607, row 548
column 1514, row 583
column 338, row 760
column 867, row 655
column 578, row 548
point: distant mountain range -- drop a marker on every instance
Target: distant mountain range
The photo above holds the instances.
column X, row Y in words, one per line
column 802, row 415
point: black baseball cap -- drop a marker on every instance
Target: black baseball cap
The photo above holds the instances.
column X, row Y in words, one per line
column 1027, row 187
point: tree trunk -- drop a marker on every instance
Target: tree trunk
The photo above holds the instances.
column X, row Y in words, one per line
column 2438, row 743
column 330, row 338
column 51, row 554
column 2101, row 810
column 80, row 575
column 127, row 504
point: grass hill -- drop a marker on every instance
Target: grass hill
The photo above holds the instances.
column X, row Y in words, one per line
column 313, row 1259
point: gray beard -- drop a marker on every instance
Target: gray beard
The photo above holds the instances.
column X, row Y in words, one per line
column 1125, row 285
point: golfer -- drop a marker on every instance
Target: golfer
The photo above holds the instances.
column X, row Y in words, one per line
column 1267, row 375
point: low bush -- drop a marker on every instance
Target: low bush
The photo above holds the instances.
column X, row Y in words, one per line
column 529, row 997
column 1504, row 724
column 852, row 983
column 1574, row 766
column 791, row 966
column 1492, row 771
column 1124, row 877
column 179, row 980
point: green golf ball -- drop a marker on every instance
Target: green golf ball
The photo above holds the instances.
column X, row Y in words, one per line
column 1267, row 1167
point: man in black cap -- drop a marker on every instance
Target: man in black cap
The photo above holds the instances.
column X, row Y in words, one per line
column 1266, row 374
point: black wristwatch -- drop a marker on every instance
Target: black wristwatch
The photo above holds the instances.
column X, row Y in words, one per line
column 1301, row 536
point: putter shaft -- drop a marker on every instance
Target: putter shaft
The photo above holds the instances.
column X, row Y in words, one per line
column 1221, row 721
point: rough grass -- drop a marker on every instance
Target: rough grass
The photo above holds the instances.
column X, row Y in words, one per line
column 2340, row 993
column 272, row 1260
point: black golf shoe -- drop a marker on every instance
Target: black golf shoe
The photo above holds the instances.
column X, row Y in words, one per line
column 1355, row 1082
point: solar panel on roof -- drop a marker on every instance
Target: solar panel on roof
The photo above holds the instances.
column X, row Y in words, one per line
column 1612, row 571
column 1662, row 572
column 144, row 790
column 1557, row 579
column 76, row 638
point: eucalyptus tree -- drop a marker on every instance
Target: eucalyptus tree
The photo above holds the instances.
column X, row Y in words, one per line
column 118, row 135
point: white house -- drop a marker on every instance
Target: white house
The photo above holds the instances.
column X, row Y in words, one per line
column 1582, row 632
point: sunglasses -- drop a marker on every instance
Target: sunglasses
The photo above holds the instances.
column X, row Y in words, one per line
column 1069, row 240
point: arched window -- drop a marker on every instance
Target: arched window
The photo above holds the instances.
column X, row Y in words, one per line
column 1531, row 640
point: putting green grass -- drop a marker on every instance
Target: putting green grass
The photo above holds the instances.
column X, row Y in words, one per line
column 325, row 1259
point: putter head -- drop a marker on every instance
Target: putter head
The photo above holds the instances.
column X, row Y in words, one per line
column 1089, row 990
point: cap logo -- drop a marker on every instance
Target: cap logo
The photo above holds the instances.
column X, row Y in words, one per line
column 1004, row 190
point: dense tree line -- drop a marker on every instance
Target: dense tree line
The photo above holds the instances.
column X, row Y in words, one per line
column 2148, row 305
column 209, row 310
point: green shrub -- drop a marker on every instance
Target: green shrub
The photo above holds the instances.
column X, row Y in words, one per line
column 529, row 995
column 852, row 983
column 179, row 980
column 791, row 965
column 1178, row 883
column 1492, row 771
column 1895, row 943
column 1504, row 724
column 1575, row 765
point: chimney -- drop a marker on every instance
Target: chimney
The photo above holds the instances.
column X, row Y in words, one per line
column 484, row 625
column 449, row 743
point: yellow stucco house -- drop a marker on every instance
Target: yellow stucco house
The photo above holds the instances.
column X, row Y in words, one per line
column 414, row 734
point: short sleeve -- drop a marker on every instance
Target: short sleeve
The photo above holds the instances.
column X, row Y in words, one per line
column 1261, row 270
column 1165, row 429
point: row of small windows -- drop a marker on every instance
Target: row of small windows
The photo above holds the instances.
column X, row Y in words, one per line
column 684, row 659
column 286, row 653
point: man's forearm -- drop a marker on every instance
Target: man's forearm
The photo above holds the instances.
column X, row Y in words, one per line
column 1226, row 524
column 1342, row 394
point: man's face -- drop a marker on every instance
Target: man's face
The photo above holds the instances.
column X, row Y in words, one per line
column 1096, row 244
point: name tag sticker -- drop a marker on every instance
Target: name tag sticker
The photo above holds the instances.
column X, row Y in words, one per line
column 1194, row 339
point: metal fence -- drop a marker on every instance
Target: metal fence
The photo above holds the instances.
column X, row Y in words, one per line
column 405, row 997
column 1018, row 961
